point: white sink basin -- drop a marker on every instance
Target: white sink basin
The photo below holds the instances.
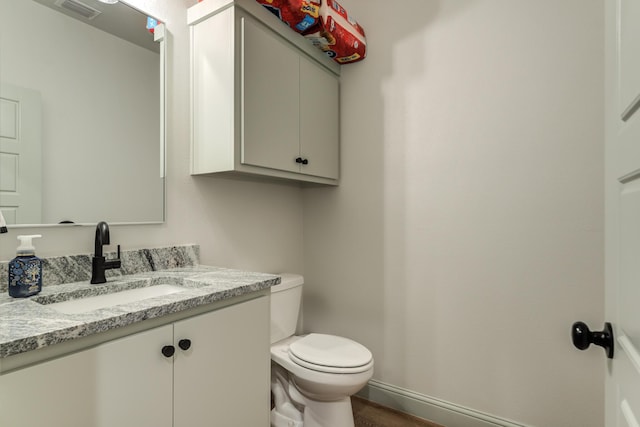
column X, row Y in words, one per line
column 84, row 305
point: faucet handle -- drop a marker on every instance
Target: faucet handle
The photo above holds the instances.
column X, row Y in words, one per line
column 113, row 263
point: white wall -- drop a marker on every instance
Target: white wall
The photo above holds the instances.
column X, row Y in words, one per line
column 240, row 224
column 467, row 234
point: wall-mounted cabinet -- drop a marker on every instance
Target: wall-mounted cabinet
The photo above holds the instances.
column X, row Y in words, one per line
column 264, row 101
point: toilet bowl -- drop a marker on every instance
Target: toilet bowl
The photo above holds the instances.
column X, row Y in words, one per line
column 313, row 376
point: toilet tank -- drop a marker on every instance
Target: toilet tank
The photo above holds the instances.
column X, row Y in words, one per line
column 285, row 306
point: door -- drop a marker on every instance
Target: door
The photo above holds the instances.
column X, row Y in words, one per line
column 133, row 380
column 270, row 99
column 623, row 210
column 126, row 383
column 221, row 375
column 20, row 155
column 319, row 120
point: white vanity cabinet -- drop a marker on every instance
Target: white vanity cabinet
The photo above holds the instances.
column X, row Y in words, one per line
column 221, row 379
column 264, row 100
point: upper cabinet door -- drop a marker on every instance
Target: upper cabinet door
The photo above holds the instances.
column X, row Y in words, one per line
column 270, row 99
column 319, row 120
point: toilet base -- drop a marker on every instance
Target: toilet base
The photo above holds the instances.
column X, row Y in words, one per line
column 328, row 414
column 293, row 409
column 318, row 414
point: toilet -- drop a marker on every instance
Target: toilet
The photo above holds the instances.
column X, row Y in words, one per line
column 312, row 376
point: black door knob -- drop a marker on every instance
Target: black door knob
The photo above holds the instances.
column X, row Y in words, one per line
column 168, row 350
column 184, row 344
column 582, row 337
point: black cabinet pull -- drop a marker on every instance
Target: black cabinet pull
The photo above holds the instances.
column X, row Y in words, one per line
column 301, row 160
column 168, row 350
column 184, row 344
column 582, row 337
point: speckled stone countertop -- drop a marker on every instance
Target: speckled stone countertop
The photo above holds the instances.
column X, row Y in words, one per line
column 30, row 323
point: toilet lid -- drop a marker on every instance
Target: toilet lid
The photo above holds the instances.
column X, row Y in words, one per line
column 330, row 353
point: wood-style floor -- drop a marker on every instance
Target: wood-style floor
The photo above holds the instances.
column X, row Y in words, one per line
column 370, row 414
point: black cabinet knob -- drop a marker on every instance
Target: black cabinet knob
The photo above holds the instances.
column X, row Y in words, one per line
column 582, row 337
column 184, row 344
column 301, row 160
column 168, row 350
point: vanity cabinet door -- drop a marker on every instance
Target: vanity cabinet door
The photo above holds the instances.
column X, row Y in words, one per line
column 223, row 378
column 134, row 380
column 125, row 383
column 58, row 393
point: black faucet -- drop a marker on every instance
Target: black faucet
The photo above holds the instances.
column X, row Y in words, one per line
column 99, row 263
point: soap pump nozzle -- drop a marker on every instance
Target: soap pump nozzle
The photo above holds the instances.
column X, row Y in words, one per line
column 26, row 244
column 3, row 224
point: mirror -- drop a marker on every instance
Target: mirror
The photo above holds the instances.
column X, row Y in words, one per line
column 81, row 113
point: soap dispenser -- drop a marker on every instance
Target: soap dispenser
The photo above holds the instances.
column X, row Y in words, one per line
column 25, row 270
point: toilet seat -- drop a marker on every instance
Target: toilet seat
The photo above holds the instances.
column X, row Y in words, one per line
column 330, row 354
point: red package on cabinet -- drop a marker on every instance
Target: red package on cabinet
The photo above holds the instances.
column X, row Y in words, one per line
column 301, row 15
column 340, row 36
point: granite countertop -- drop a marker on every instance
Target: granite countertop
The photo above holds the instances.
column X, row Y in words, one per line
column 29, row 324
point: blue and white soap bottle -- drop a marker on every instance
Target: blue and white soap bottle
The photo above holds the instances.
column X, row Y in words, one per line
column 25, row 270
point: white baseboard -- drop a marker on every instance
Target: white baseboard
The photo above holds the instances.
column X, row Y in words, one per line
column 432, row 409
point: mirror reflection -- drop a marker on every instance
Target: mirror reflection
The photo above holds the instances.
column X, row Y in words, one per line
column 80, row 122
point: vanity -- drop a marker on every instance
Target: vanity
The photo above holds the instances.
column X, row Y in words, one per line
column 195, row 352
